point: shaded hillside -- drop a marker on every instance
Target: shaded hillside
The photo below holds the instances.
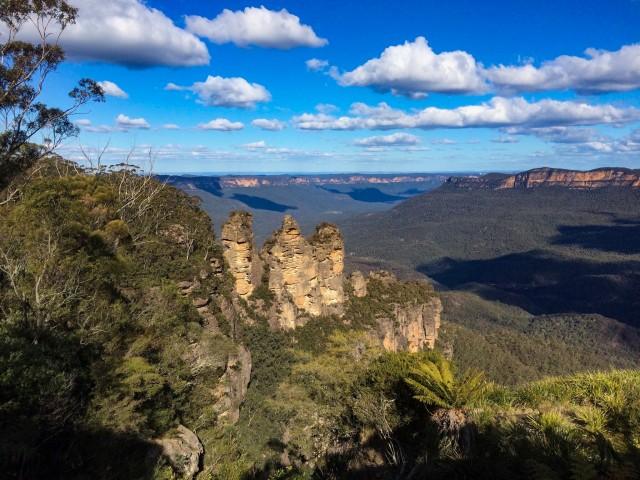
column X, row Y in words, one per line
column 473, row 225
column 570, row 256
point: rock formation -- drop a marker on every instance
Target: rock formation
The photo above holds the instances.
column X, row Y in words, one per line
column 184, row 452
column 412, row 319
column 230, row 391
column 305, row 276
column 413, row 327
column 232, row 386
column 328, row 249
column 551, row 177
column 239, row 252
column 358, row 284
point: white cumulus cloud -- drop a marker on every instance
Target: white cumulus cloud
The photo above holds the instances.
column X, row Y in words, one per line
column 315, row 64
column 171, row 126
column 497, row 112
column 256, row 26
column 221, row 124
column 226, row 92
column 127, row 32
column 414, row 69
column 601, row 71
column 392, row 140
column 112, row 89
column 268, row 124
column 126, row 122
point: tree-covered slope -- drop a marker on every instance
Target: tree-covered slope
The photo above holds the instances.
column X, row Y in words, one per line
column 540, row 281
column 97, row 342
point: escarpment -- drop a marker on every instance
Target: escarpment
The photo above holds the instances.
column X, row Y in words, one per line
column 304, row 278
column 551, row 177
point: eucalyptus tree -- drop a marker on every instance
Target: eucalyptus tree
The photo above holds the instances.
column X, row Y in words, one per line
column 30, row 32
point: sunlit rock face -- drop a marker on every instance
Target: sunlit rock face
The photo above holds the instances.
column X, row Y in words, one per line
column 412, row 319
column 551, row 177
column 413, row 328
column 305, row 276
column 358, row 284
column 328, row 249
column 239, row 252
column 293, row 270
column 600, row 178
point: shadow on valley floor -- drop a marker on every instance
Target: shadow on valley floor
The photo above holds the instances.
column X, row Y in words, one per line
column 371, row 195
column 542, row 282
column 259, row 203
column 622, row 237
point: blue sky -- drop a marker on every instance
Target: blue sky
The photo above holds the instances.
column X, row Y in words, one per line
column 411, row 86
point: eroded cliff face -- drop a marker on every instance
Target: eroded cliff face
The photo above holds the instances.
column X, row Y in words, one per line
column 328, row 250
column 412, row 328
column 232, row 386
column 600, row 178
column 239, row 252
column 407, row 314
column 305, row 276
column 552, row 177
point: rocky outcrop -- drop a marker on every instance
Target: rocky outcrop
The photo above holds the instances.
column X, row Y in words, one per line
column 551, row 177
column 358, row 284
column 305, row 276
column 239, row 252
column 328, row 251
column 232, row 386
column 408, row 314
column 183, row 450
column 413, row 327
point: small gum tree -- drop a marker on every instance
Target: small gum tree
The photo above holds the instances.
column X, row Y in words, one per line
column 29, row 129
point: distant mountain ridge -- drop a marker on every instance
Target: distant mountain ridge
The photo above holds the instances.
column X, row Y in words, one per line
column 252, row 181
column 550, row 177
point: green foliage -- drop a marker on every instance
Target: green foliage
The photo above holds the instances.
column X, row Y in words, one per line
column 512, row 346
column 535, row 283
column 436, row 385
column 381, row 296
column 100, row 352
column 24, row 68
column 96, row 341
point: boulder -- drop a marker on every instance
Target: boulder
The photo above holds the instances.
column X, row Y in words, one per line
column 183, row 450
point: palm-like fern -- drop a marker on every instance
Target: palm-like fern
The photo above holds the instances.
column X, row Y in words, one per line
column 436, row 385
